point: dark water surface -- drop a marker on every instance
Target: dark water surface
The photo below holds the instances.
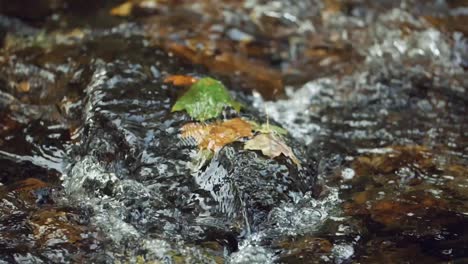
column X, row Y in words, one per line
column 373, row 95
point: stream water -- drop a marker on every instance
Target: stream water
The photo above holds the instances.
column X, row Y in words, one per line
column 373, row 95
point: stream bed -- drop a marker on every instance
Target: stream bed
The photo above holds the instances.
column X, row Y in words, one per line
column 94, row 167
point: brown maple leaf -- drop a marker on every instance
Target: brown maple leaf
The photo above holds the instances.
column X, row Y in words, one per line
column 272, row 146
column 217, row 135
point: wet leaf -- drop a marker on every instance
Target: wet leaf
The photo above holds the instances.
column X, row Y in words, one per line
column 51, row 226
column 205, row 99
column 268, row 128
column 29, row 184
column 300, row 248
column 258, row 76
column 122, row 10
column 331, row 7
column 306, row 243
column 180, row 80
column 23, row 87
column 399, row 212
column 250, row 74
column 215, row 136
column 416, row 157
column 272, row 146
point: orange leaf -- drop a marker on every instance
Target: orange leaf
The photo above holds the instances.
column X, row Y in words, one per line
column 180, row 80
column 28, row 184
column 217, row 135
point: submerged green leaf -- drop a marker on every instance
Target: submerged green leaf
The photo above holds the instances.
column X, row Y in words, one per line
column 267, row 128
column 199, row 159
column 205, row 99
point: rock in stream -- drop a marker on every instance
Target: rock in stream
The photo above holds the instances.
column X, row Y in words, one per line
column 129, row 166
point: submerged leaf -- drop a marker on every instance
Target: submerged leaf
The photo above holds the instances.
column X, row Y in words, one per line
column 272, row 146
column 205, row 99
column 215, row 136
column 268, row 128
column 122, row 10
column 253, row 74
column 199, row 159
column 180, row 80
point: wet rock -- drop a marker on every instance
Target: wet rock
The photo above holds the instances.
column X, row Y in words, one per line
column 130, row 157
column 384, row 126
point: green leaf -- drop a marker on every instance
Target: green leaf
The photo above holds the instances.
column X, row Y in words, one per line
column 268, row 128
column 199, row 159
column 205, row 99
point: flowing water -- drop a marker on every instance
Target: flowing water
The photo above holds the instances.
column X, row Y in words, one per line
column 373, row 95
